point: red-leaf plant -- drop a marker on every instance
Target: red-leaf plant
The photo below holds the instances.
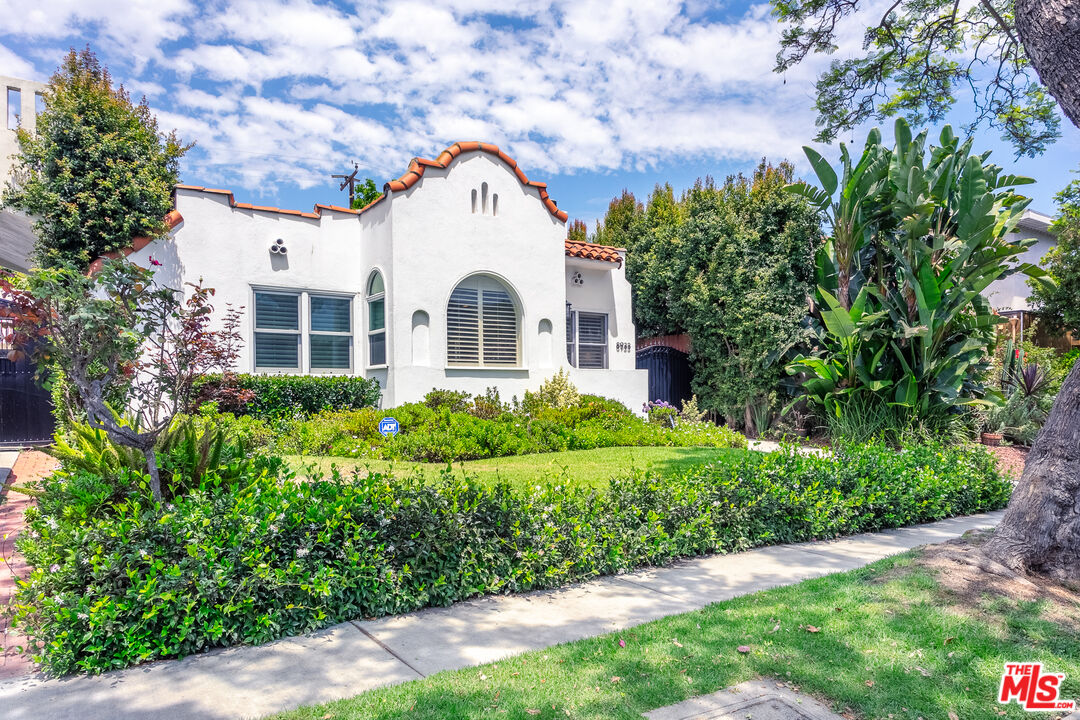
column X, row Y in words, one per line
column 117, row 331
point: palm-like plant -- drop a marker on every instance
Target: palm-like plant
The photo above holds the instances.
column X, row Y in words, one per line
column 934, row 229
column 852, row 215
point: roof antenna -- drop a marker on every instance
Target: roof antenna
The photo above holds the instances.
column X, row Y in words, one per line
column 349, row 180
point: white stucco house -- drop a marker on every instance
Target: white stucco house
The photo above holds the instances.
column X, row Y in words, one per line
column 460, row 276
column 1011, row 293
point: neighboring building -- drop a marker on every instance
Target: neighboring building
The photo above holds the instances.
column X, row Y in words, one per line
column 460, row 276
column 19, row 105
column 1011, row 293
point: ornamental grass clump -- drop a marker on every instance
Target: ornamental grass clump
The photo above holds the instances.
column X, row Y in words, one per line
column 118, row 579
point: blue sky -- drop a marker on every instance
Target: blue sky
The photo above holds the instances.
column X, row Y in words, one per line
column 591, row 96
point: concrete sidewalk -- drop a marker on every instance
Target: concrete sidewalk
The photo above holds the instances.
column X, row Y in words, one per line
column 347, row 659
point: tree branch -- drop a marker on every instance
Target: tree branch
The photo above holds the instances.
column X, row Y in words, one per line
column 1000, row 20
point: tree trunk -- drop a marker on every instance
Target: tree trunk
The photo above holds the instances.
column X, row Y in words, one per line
column 1050, row 32
column 155, row 474
column 1041, row 528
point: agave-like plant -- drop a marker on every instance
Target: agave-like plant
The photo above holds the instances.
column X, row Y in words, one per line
column 1031, row 380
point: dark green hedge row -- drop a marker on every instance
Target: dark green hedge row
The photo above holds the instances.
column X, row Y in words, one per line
column 275, row 396
column 270, row 557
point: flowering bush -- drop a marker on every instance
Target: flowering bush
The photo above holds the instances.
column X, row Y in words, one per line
column 660, row 412
column 119, row 580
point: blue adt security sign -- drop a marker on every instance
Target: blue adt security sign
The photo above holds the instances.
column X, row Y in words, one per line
column 388, row 426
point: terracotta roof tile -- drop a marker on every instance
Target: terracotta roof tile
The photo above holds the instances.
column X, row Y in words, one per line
column 592, row 251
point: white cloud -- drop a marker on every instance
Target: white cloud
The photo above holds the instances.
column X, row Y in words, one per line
column 14, row 66
column 281, row 91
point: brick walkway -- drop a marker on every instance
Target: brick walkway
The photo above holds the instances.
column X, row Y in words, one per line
column 30, row 465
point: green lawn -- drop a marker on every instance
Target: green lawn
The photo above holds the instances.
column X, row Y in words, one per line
column 580, row 467
column 892, row 643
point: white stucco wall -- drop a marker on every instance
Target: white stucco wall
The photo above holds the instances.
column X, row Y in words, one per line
column 1012, row 291
column 16, row 233
column 424, row 241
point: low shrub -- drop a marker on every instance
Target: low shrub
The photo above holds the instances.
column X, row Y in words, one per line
column 276, row 396
column 433, row 431
column 120, row 581
column 661, row 412
column 455, row 400
column 557, row 392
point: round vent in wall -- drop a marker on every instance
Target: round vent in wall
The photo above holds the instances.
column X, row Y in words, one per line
column 278, row 247
column 576, row 279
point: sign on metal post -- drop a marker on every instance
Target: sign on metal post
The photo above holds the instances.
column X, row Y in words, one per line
column 388, row 426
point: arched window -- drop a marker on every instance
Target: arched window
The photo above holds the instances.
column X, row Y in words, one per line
column 482, row 324
column 376, row 303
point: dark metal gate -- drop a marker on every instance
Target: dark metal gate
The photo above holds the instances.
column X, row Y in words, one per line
column 25, row 407
column 669, row 373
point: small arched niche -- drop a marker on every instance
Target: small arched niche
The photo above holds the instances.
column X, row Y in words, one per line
column 543, row 343
column 421, row 340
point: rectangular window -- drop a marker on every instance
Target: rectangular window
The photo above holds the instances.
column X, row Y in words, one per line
column 39, row 105
column 331, row 333
column 590, row 330
column 14, row 108
column 277, row 331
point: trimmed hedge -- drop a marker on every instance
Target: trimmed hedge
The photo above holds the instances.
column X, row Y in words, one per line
column 278, row 396
column 115, row 585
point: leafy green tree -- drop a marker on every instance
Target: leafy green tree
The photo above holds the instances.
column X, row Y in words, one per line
column 745, row 264
column 578, row 231
column 1012, row 58
column 1059, row 306
column 650, row 263
column 365, row 194
column 95, row 172
column 620, row 222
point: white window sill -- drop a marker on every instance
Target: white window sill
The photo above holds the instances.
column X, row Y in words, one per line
column 384, row 366
column 518, row 368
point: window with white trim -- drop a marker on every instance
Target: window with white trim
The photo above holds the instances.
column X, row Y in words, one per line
column 279, row 337
column 482, row 325
column 330, row 336
column 587, row 339
column 277, row 331
column 376, row 302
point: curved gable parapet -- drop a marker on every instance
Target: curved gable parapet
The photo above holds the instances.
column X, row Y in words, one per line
column 447, row 156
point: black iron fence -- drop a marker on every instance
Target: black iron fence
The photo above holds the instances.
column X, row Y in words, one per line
column 669, row 373
column 25, row 407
